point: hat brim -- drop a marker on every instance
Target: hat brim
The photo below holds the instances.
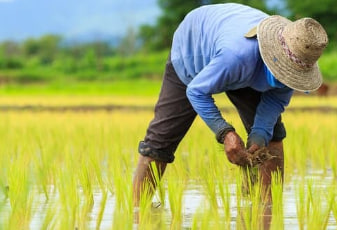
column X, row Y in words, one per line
column 274, row 56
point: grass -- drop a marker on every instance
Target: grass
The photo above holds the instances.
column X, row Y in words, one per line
column 121, row 87
column 67, row 69
column 66, row 170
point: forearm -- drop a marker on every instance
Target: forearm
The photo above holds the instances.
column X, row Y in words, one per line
column 268, row 111
column 210, row 114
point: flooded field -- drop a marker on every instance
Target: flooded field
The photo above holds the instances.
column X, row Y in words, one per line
column 73, row 169
column 193, row 204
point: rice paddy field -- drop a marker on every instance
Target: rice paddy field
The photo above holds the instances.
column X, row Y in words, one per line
column 67, row 162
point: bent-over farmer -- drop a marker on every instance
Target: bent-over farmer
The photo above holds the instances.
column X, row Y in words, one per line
column 256, row 59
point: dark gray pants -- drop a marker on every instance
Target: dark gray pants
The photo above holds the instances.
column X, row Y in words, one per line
column 174, row 115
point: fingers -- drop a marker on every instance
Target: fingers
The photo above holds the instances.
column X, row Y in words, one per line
column 253, row 148
column 240, row 158
column 236, row 151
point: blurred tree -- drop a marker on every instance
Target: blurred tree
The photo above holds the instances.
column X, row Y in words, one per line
column 159, row 36
column 49, row 48
column 80, row 56
column 10, row 55
column 128, row 45
column 45, row 48
column 31, row 47
column 89, row 60
column 10, row 49
column 324, row 11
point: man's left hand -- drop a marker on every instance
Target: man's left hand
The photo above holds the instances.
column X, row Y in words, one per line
column 254, row 147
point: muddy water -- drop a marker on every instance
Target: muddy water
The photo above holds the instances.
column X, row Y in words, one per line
column 193, row 201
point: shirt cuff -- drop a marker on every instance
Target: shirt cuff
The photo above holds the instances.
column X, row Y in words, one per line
column 255, row 138
column 220, row 136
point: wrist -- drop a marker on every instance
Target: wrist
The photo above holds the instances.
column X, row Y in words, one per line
column 220, row 136
column 256, row 139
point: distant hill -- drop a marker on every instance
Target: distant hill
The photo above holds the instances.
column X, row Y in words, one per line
column 92, row 36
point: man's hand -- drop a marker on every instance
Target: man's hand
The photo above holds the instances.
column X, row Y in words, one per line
column 253, row 148
column 235, row 149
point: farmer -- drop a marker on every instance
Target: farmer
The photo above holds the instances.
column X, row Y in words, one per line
column 256, row 59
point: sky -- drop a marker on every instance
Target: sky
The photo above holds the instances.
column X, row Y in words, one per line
column 22, row 19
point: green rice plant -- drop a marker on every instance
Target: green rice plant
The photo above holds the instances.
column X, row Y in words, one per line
column 252, row 206
column 96, row 168
column 123, row 211
column 19, row 195
column 318, row 214
column 69, row 196
column 294, row 157
column 225, row 197
column 277, row 202
column 204, row 218
column 42, row 173
column 239, row 199
column 176, row 184
column 307, row 146
column 209, row 181
column 101, row 207
column 143, row 215
column 5, row 150
column 257, row 207
column 49, row 221
column 42, row 161
column 334, row 169
column 122, row 181
column 66, row 157
column 301, row 204
column 86, row 180
column 313, row 205
column 160, row 188
column 332, row 191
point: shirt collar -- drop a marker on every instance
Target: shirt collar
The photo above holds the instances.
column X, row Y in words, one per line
column 272, row 81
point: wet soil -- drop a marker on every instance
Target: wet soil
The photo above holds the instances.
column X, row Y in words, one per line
column 135, row 108
column 259, row 157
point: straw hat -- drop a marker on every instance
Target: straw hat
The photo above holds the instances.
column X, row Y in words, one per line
column 291, row 50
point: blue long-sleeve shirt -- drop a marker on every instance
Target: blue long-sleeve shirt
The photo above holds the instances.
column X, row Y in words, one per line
column 211, row 55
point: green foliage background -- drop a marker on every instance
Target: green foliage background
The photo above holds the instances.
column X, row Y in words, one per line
column 140, row 56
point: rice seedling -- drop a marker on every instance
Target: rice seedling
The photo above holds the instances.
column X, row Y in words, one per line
column 333, row 199
column 225, row 196
column 57, row 161
column 69, row 199
column 176, row 183
column 209, row 181
column 85, row 180
column 19, row 194
column 314, row 205
column 143, row 215
column 301, row 205
column 123, row 210
column 101, row 208
column 277, row 221
column 318, row 208
column 252, row 213
column 204, row 218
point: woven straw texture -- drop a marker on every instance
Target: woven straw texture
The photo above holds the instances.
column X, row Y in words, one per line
column 291, row 50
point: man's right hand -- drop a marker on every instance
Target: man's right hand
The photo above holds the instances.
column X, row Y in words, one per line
column 235, row 149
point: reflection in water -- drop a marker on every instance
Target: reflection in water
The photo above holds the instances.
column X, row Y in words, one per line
column 194, row 203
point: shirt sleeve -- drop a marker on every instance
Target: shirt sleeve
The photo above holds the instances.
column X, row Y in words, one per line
column 272, row 104
column 214, row 78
